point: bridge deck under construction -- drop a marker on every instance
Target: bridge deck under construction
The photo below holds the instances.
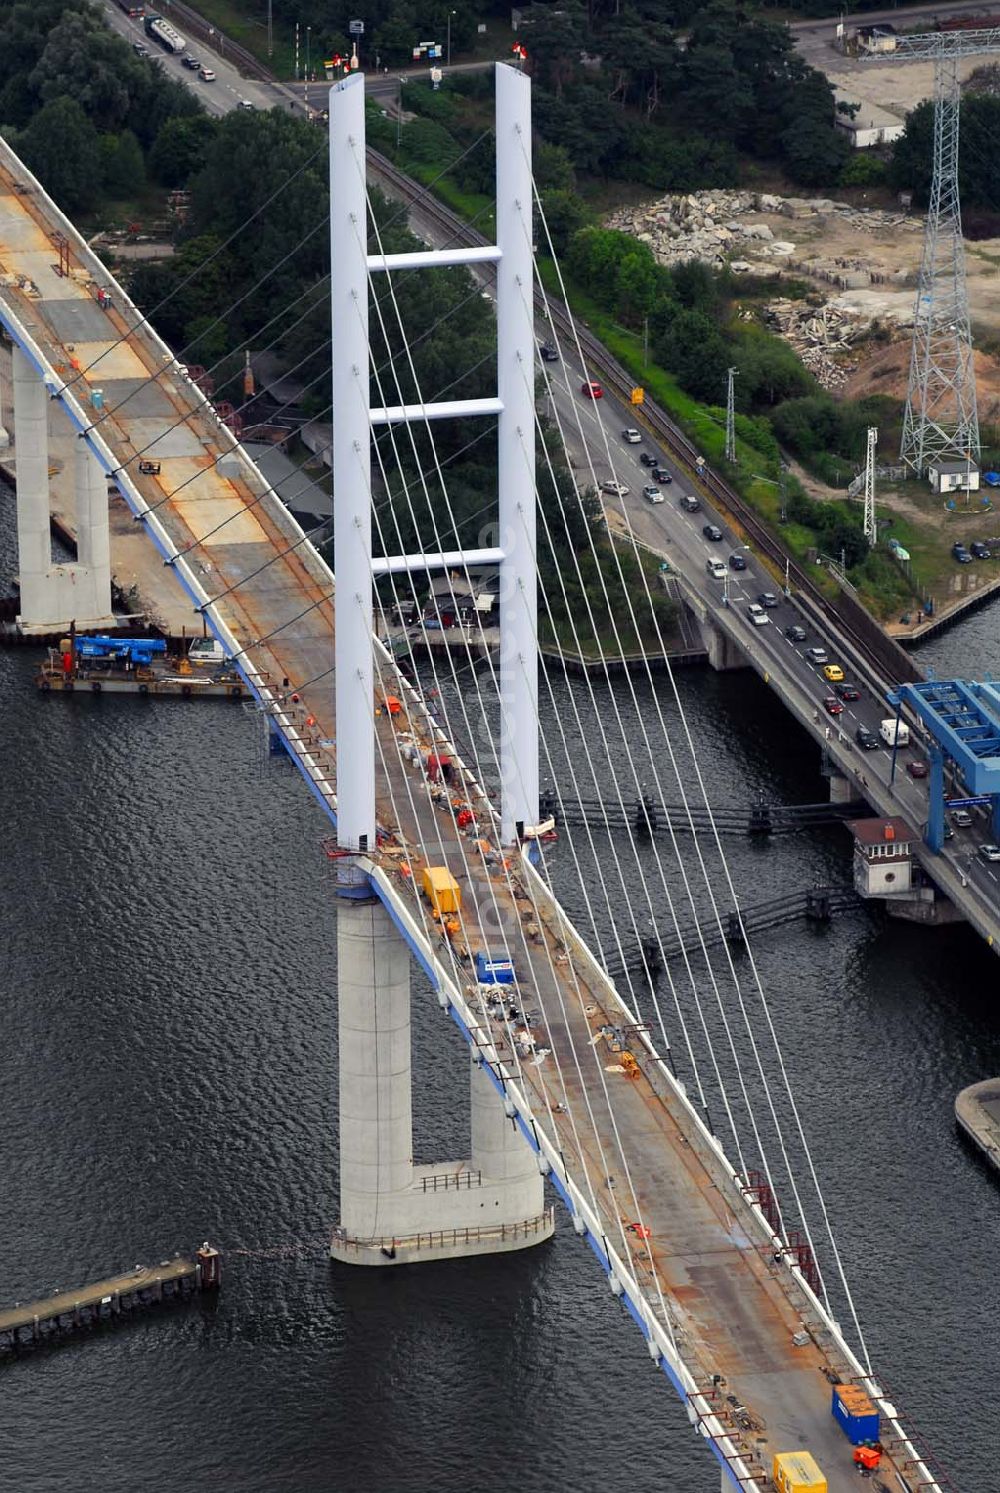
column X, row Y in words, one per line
column 732, row 1310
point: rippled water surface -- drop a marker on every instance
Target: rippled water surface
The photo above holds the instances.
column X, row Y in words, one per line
column 168, row 1072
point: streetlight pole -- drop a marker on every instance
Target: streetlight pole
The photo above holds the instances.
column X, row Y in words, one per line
column 308, row 59
column 448, row 46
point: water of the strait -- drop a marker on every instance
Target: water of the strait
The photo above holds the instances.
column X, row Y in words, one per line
column 167, row 1068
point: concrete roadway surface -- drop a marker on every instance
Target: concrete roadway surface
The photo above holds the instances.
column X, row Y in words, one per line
column 229, row 88
column 219, row 97
column 678, row 534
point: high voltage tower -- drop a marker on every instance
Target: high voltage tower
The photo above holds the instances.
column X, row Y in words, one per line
column 941, row 420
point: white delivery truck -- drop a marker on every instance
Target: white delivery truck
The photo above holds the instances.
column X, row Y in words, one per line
column 895, row 733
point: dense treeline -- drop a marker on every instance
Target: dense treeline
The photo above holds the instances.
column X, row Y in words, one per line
column 978, row 159
column 77, row 104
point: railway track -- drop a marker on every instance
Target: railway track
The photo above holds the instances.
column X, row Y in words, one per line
column 886, row 661
column 249, row 65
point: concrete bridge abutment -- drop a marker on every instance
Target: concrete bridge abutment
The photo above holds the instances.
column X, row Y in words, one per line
column 53, row 595
column 391, row 1211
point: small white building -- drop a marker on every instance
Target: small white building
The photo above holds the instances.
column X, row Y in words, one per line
column 881, row 38
column 953, row 476
column 883, row 856
column 871, row 125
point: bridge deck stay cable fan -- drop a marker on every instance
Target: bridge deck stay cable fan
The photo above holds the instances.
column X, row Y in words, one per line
column 677, row 1231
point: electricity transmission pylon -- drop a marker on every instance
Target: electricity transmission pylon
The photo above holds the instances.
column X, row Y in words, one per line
column 731, row 414
column 870, row 521
column 941, row 420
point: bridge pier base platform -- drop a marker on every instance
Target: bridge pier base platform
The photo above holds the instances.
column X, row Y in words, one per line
column 926, row 906
column 391, row 1211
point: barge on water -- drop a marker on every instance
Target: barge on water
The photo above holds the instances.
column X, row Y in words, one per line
column 68, row 1311
column 139, row 666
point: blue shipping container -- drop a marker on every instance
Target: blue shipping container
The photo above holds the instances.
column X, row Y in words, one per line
column 859, row 1421
column 490, row 971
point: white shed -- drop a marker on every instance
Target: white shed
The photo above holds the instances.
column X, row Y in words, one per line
column 953, row 476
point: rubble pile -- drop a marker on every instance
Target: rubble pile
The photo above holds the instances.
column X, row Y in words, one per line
column 822, row 336
column 717, row 227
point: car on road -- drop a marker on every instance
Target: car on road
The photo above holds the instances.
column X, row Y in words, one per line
column 768, row 599
column 716, row 569
column 547, row 353
column 139, row 49
column 662, row 475
column 916, row 768
column 192, row 62
column 652, row 494
column 834, row 673
column 690, row 503
column 795, row 633
column 592, row 390
column 633, row 436
column 648, row 459
column 847, row 692
column 980, row 550
column 816, row 655
column 712, row 532
column 990, row 852
column 737, row 562
column 961, row 554
column 616, row 489
column 757, row 614
column 866, row 738
column 206, row 75
column 245, row 103
column 832, row 705
column 961, row 819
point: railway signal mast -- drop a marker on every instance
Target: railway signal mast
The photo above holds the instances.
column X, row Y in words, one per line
column 941, row 420
column 870, row 521
column 731, row 414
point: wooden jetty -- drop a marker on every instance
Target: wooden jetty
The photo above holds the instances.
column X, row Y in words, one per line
column 67, row 1311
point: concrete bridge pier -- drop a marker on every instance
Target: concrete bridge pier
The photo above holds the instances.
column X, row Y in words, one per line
column 392, row 1212
column 53, row 595
column 723, row 653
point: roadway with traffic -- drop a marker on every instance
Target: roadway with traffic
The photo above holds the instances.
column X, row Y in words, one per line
column 679, row 536
column 597, row 425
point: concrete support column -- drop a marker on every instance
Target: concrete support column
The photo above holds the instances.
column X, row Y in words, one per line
column 500, row 1153
column 842, row 790
column 376, row 1133
column 31, row 448
column 93, row 537
column 723, row 654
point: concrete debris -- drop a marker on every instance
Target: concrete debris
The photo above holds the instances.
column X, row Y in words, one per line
column 712, row 226
column 725, row 227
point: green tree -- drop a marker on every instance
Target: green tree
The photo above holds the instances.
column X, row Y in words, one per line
column 124, row 170
column 61, row 147
column 181, row 148
column 692, row 348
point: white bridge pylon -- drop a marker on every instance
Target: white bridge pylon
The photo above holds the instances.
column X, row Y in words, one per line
column 353, row 420
column 390, row 1210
